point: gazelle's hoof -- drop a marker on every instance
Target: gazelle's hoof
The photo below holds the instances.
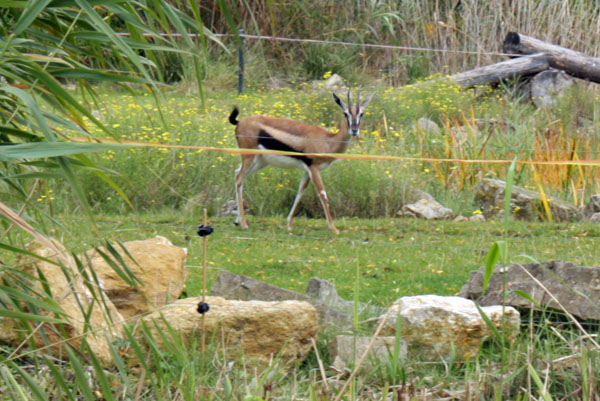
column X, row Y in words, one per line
column 335, row 230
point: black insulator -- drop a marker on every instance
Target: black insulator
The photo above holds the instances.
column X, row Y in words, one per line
column 203, row 230
column 203, row 308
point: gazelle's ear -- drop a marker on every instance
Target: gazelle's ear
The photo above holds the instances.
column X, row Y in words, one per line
column 366, row 102
column 338, row 101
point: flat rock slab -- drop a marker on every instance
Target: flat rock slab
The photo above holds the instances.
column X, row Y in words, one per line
column 577, row 288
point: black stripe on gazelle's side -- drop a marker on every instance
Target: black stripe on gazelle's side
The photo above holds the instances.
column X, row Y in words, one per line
column 268, row 142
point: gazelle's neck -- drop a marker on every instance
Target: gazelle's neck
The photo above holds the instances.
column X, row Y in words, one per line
column 341, row 140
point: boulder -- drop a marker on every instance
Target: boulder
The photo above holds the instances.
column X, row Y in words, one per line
column 433, row 326
column 595, row 218
column 346, row 351
column 427, row 126
column 156, row 263
column 591, row 208
column 524, row 204
column 577, row 288
column 427, row 209
column 257, row 330
column 88, row 315
column 479, row 218
column 548, row 86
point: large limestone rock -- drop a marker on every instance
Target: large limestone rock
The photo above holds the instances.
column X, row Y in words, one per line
column 524, row 204
column 346, row 351
column 577, row 288
column 157, row 263
column 257, row 330
column 75, row 298
column 433, row 325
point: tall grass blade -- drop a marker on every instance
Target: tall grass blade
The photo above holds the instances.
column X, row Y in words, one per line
column 510, row 176
column 36, row 390
column 542, row 388
column 490, row 262
column 107, row 392
column 30, row 13
column 489, row 323
column 16, row 387
column 82, row 380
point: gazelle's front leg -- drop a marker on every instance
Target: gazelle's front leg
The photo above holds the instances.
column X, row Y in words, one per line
column 318, row 181
column 301, row 188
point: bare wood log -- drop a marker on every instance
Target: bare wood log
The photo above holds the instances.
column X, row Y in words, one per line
column 494, row 73
column 572, row 62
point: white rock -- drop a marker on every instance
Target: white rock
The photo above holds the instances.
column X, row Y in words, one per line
column 433, row 325
column 428, row 209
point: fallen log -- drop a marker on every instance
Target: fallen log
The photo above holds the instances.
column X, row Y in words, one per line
column 494, row 73
column 572, row 62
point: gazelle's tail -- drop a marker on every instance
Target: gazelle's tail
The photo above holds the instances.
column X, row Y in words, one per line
column 233, row 116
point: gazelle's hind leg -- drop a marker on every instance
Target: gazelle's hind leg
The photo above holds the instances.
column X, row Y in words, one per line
column 250, row 165
column 318, row 181
column 301, row 188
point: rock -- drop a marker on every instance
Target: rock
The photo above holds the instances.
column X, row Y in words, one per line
column 334, row 82
column 324, row 292
column 274, row 83
column 157, row 263
column 243, row 288
column 477, row 217
column 420, row 195
column 74, row 297
column 592, row 207
column 547, row 87
column 427, row 126
column 573, row 286
column 524, row 204
column 229, row 208
column 460, row 218
column 334, row 312
column 595, row 218
column 427, row 209
column 346, row 351
column 257, row 330
column 433, row 325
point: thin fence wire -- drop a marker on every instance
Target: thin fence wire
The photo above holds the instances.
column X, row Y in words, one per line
column 340, row 156
column 336, row 43
column 432, row 145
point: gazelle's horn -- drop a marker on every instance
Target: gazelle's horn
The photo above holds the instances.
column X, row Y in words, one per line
column 349, row 104
column 358, row 97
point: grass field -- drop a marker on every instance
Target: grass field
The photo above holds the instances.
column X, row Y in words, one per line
column 395, row 257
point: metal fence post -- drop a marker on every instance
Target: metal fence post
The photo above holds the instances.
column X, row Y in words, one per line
column 241, row 62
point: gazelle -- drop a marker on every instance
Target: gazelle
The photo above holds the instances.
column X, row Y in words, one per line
column 280, row 134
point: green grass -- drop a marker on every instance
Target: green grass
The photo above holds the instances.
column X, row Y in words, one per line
column 396, row 257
